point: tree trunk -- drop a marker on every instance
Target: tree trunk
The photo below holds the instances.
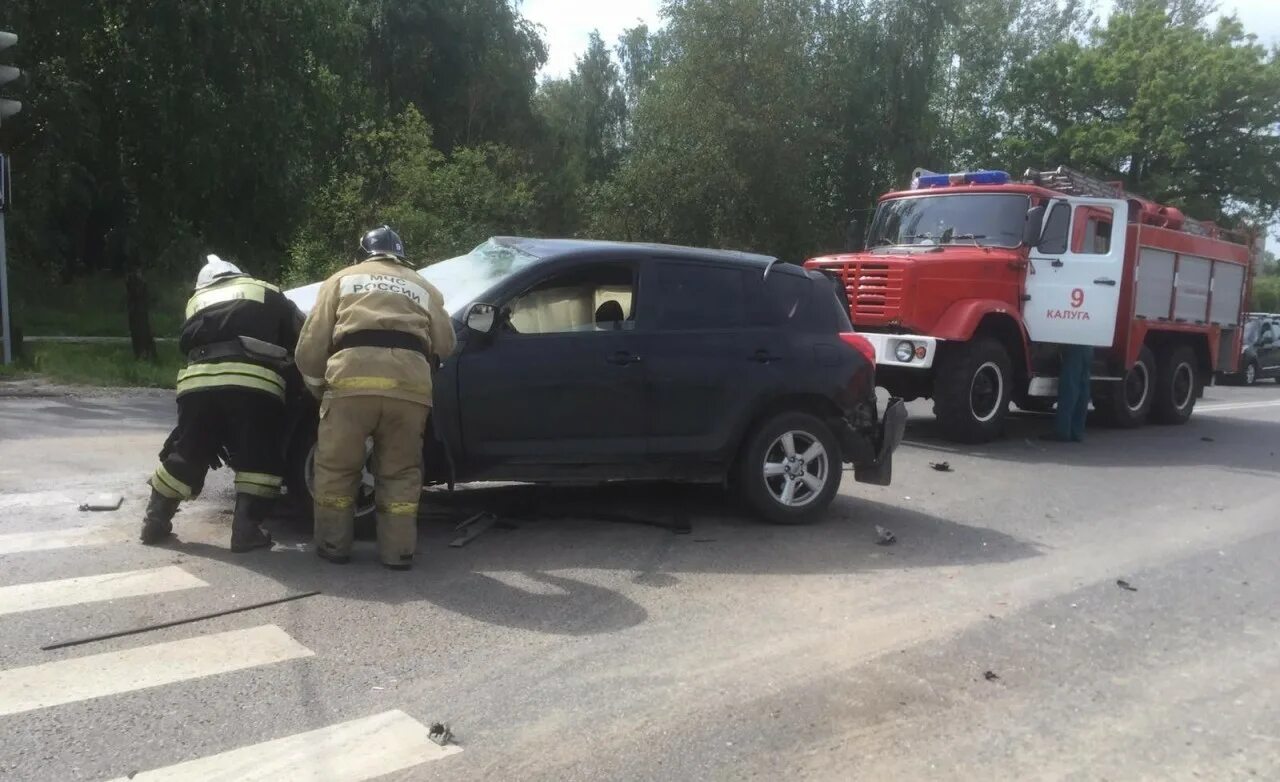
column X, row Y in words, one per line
column 135, row 292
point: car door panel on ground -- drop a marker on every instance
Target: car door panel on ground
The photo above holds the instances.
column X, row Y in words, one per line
column 708, row 366
column 561, row 381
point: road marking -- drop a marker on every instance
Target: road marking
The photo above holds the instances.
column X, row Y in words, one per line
column 351, row 751
column 20, row 542
column 111, row 673
column 1236, row 406
column 93, row 589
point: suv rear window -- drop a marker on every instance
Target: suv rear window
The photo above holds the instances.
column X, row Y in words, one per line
column 776, row 299
column 691, row 296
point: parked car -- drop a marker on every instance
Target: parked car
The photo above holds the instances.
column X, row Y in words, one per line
column 583, row 361
column 1260, row 356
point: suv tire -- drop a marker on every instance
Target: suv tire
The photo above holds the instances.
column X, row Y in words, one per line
column 1177, row 385
column 300, row 473
column 773, row 457
column 972, row 386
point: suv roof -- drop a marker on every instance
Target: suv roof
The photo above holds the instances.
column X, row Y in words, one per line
column 549, row 248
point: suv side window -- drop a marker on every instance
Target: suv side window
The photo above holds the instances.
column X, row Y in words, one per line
column 776, row 299
column 694, row 297
column 599, row 297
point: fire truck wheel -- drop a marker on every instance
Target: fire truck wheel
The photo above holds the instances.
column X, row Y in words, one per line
column 972, row 385
column 1177, row 385
column 1126, row 405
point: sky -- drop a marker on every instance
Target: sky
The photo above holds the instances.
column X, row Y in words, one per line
column 569, row 22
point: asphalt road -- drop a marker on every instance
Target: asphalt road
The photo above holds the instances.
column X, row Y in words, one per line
column 576, row 643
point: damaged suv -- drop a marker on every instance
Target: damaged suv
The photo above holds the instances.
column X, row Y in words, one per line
column 583, row 361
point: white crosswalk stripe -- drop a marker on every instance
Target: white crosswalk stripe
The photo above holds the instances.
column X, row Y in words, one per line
column 94, row 589
column 351, row 751
column 21, row 542
column 111, row 673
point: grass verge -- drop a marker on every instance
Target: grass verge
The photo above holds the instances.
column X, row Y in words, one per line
column 97, row 365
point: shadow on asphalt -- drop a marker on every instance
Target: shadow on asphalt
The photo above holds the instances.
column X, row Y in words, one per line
column 561, row 559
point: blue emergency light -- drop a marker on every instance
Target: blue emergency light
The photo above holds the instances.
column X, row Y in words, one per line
column 965, row 178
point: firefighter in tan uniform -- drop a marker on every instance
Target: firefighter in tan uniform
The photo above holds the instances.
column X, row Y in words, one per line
column 367, row 350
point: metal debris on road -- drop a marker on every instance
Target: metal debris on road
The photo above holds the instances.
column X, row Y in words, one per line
column 1125, row 585
column 1207, row 439
column 990, row 676
column 176, row 622
column 941, row 466
column 440, row 733
column 103, row 502
column 473, row 527
column 885, row 537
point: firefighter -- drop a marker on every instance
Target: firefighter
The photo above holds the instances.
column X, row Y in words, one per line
column 237, row 338
column 1074, row 393
column 367, row 351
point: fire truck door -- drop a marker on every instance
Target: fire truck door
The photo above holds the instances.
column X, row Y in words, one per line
column 1073, row 283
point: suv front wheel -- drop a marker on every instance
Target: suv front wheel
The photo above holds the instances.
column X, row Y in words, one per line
column 790, row 468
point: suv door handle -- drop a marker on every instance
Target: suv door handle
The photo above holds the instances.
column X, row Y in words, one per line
column 1104, row 281
column 622, row 358
column 764, row 357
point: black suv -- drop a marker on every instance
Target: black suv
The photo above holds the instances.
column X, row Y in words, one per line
column 1260, row 350
column 588, row 361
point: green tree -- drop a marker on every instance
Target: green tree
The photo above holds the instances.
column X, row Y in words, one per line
column 442, row 204
column 582, row 120
column 1181, row 112
column 157, row 129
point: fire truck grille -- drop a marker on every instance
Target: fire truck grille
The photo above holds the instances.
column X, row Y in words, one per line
column 875, row 291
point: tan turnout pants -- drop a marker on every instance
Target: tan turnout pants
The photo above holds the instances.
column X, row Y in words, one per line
column 396, row 427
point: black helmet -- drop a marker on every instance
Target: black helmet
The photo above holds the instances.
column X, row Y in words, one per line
column 381, row 241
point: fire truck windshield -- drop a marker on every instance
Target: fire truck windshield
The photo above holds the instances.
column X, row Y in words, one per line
column 984, row 219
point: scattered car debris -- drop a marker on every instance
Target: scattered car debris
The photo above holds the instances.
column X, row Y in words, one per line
column 1125, row 585
column 941, row 466
column 103, row 502
column 472, row 528
column 990, row 676
column 176, row 622
column 885, row 537
column 440, row 734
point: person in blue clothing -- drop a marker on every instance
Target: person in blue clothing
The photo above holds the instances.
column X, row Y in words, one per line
column 1074, row 379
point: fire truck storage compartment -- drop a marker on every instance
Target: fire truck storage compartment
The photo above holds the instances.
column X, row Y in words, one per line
column 1155, row 283
column 1191, row 299
column 1197, row 288
column 1226, row 350
column 1228, row 291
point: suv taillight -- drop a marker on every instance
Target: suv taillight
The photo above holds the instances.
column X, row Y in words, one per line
column 860, row 344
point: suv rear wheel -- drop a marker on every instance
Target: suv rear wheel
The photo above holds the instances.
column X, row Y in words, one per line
column 972, row 386
column 790, row 468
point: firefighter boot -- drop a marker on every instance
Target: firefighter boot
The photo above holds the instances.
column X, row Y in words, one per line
column 157, row 523
column 247, row 533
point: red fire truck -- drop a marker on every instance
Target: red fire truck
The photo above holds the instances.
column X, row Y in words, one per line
column 967, row 283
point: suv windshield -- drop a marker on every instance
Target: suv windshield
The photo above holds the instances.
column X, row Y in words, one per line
column 1251, row 330
column 987, row 219
column 464, row 278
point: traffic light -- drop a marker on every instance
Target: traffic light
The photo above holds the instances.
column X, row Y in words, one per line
column 8, row 73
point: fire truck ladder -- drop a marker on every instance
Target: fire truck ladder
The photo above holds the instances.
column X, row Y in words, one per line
column 1068, row 181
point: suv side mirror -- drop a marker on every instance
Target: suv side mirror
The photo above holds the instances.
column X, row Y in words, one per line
column 853, row 239
column 1034, row 226
column 482, row 318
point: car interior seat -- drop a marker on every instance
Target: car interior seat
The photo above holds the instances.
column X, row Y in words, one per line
column 609, row 315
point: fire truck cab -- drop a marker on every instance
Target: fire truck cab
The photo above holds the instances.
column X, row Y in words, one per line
column 968, row 283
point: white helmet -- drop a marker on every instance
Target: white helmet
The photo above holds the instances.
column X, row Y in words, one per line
column 215, row 269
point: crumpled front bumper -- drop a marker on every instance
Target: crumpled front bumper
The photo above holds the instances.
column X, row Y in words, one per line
column 872, row 456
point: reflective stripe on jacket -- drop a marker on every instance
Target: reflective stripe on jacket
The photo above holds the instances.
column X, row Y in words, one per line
column 225, row 311
column 379, row 294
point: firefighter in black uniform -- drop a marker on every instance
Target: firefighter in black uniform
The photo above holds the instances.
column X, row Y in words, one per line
column 238, row 337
